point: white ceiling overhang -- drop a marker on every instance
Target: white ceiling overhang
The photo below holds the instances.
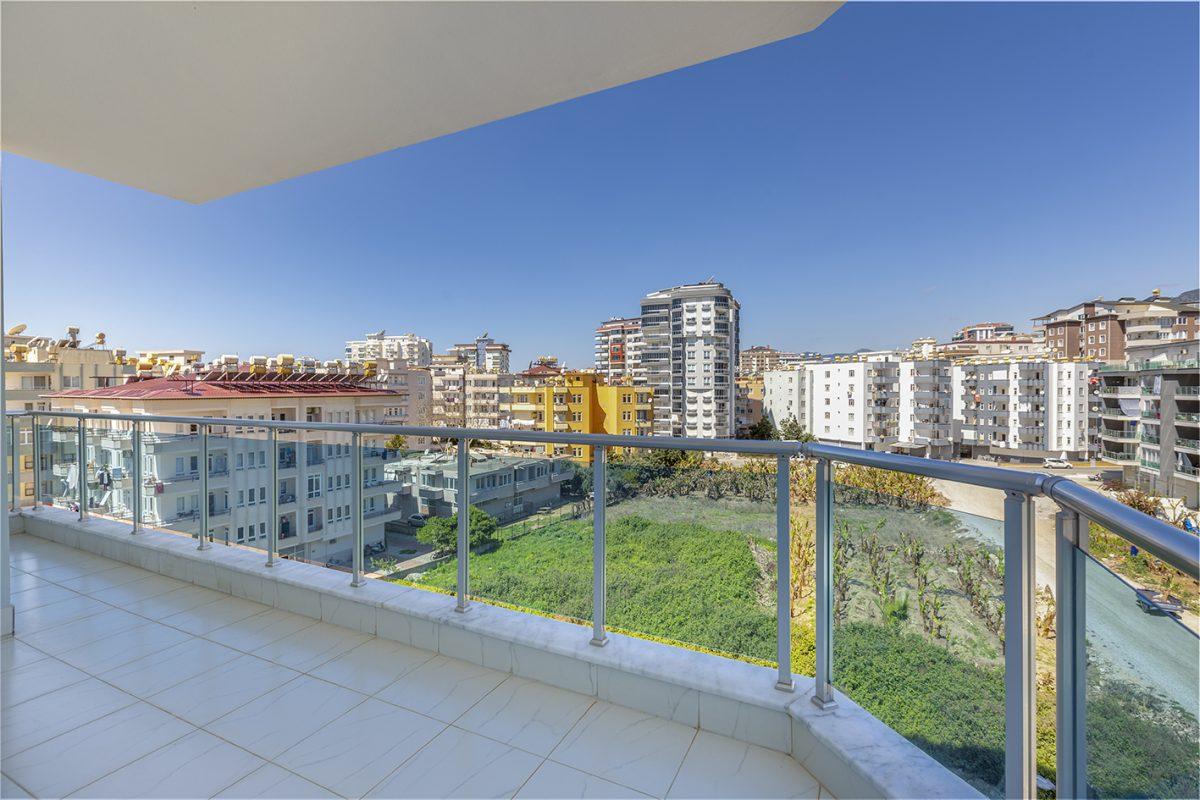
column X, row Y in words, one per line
column 200, row 100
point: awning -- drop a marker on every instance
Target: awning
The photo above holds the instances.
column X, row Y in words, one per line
column 200, row 100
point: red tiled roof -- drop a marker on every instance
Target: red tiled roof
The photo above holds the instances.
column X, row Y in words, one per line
column 541, row 369
column 236, row 385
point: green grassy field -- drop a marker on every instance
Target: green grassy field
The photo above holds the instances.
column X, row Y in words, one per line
column 688, row 570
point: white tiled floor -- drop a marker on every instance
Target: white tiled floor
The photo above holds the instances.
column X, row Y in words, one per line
column 123, row 683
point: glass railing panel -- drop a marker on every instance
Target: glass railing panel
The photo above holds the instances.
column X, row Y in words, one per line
column 108, row 468
column 170, row 487
column 419, row 511
column 239, row 486
column 530, row 527
column 691, row 551
column 58, row 473
column 1142, row 696
column 918, row 586
column 390, row 546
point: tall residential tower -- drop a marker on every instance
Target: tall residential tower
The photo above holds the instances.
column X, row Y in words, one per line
column 689, row 352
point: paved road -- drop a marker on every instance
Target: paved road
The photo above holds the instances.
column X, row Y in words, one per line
column 1159, row 653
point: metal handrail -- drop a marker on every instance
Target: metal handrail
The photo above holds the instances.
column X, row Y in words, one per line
column 1078, row 505
column 1176, row 547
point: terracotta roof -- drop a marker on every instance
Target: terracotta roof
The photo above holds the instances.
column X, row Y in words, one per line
column 542, row 369
column 187, row 388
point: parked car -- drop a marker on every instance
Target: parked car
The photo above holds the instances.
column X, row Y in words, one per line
column 1056, row 463
column 416, row 520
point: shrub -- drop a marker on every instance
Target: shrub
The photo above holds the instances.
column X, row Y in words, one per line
column 441, row 533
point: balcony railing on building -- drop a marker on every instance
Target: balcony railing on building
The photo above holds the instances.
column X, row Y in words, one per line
column 616, row 509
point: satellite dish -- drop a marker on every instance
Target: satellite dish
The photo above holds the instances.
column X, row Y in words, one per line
column 17, row 330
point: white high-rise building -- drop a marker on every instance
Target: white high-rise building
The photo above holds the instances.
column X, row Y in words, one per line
column 855, row 403
column 1023, row 408
column 926, row 408
column 406, row 346
column 689, row 354
column 619, row 347
column 484, row 354
column 785, row 396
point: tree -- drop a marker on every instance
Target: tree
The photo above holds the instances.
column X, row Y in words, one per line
column 396, row 442
column 441, row 533
column 793, row 431
column 763, row 429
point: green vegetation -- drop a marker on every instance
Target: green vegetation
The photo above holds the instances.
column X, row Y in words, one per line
column 763, row 429
column 441, row 533
column 660, row 581
column 918, row 606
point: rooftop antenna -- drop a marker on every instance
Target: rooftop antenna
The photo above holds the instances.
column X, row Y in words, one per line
column 16, row 330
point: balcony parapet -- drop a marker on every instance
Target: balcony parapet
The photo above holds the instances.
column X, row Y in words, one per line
column 844, row 747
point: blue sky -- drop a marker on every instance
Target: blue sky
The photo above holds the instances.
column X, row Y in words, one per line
column 901, row 171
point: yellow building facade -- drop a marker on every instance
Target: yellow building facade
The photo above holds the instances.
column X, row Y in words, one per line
column 580, row 402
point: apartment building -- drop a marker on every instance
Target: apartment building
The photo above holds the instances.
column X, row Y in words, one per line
column 409, row 347
column 1014, row 409
column 1151, row 418
column 785, row 396
column 507, row 487
column 982, row 331
column 749, row 402
column 38, row 365
column 763, row 358
column 464, row 396
column 1102, row 330
column 484, row 354
column 579, row 402
column 618, row 348
column 855, row 401
column 315, row 469
column 689, row 343
column 926, row 408
column 412, row 395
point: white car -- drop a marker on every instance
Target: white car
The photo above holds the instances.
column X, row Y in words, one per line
column 416, row 520
column 1056, row 463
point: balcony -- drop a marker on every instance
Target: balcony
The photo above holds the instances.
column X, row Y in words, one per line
column 357, row 649
column 1188, row 471
column 1117, row 434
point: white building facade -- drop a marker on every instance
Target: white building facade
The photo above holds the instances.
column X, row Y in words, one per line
column 855, row 403
column 690, row 341
column 1023, row 409
column 785, row 396
column 408, row 347
column 618, row 350
column 315, row 493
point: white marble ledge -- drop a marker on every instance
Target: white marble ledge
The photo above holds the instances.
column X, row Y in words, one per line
column 846, row 748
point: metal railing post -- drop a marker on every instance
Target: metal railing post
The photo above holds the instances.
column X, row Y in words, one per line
column 203, row 532
column 359, row 544
column 15, row 449
column 599, row 578
column 81, row 464
column 783, row 573
column 1020, row 739
column 823, row 689
column 1071, row 656
column 137, row 476
column 37, row 463
column 464, row 523
column 273, row 508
